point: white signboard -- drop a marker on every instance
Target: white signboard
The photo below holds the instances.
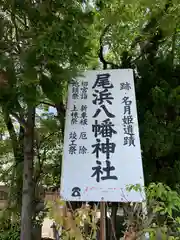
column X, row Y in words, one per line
column 101, row 146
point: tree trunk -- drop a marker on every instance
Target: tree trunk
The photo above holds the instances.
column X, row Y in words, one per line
column 27, row 195
column 17, row 145
column 61, row 112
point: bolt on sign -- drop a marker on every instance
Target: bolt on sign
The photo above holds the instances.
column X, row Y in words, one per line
column 102, row 154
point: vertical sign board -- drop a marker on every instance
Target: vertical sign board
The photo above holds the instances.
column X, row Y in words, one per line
column 101, row 146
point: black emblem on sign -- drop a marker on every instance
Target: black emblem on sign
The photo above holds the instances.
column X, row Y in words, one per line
column 76, row 192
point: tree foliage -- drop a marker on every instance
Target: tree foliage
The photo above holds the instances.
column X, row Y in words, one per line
column 144, row 35
column 44, row 44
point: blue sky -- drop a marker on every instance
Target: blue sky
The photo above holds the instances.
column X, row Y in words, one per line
column 52, row 110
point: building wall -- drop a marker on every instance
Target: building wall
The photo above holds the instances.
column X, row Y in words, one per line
column 51, row 196
column 48, row 195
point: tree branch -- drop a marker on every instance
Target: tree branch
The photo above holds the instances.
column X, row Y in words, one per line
column 61, row 111
column 47, row 103
column 40, row 162
column 173, row 47
column 11, row 131
column 101, row 48
column 13, row 19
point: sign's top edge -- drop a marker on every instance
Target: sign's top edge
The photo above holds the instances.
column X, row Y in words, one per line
column 99, row 70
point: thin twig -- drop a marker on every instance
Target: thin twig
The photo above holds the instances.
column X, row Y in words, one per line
column 47, row 103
